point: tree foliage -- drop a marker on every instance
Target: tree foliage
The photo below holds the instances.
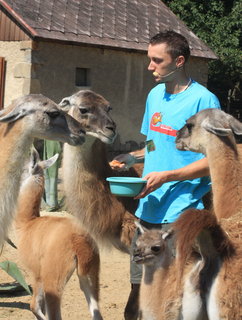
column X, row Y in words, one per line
column 218, row 24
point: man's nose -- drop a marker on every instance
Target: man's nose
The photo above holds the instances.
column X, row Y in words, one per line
column 151, row 66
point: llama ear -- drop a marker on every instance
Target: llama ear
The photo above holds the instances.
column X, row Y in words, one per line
column 141, row 228
column 45, row 164
column 14, row 115
column 34, row 158
column 65, row 104
column 215, row 127
column 167, row 234
column 235, row 125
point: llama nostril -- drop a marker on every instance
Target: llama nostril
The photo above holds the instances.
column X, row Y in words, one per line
column 82, row 132
column 111, row 128
column 136, row 253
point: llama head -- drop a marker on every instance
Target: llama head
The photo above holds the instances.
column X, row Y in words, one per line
column 39, row 117
column 199, row 131
column 91, row 110
column 34, row 167
column 152, row 245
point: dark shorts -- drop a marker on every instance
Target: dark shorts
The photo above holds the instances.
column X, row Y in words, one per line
column 136, row 269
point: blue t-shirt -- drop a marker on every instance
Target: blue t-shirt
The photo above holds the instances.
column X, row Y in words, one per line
column 165, row 114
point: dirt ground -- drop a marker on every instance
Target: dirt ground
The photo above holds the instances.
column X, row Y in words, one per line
column 114, row 289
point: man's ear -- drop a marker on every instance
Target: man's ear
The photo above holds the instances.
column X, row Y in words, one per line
column 180, row 61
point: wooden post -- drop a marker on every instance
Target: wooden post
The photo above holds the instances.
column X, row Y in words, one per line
column 2, row 80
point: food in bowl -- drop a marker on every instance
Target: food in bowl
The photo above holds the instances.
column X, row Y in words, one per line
column 126, row 186
column 116, row 164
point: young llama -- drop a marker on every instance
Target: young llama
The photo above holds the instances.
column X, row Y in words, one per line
column 51, row 248
column 164, row 294
column 28, row 117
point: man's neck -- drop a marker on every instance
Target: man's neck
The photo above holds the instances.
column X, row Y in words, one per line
column 178, row 85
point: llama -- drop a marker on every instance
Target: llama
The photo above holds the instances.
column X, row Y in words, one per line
column 211, row 132
column 156, row 256
column 168, row 294
column 219, row 245
column 211, row 281
column 29, row 117
column 51, row 248
column 109, row 219
column 161, row 294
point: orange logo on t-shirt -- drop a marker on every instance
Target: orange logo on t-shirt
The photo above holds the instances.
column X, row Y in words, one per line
column 157, row 117
column 156, row 125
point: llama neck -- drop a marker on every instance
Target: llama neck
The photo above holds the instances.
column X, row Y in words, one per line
column 88, row 159
column 29, row 200
column 157, row 269
column 226, row 176
column 14, row 146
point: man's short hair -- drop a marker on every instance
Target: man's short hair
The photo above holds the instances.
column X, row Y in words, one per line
column 177, row 44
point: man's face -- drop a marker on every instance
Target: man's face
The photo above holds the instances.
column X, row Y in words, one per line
column 161, row 62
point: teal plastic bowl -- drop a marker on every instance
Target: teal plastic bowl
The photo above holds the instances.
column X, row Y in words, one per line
column 126, row 186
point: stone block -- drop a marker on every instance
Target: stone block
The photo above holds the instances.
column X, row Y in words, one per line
column 22, row 70
column 28, row 45
column 31, row 86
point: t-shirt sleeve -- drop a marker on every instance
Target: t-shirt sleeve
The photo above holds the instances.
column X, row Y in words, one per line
column 208, row 100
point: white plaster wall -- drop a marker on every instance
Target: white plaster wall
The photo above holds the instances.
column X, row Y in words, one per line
column 120, row 77
column 13, row 55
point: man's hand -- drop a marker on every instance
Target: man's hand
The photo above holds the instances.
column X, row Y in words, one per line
column 154, row 181
column 123, row 162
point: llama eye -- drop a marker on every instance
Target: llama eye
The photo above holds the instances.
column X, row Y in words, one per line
column 189, row 127
column 155, row 249
column 109, row 108
column 83, row 110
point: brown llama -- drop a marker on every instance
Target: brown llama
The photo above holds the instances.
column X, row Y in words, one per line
column 212, row 132
column 28, row 117
column 211, row 269
column 51, row 248
column 108, row 218
column 218, row 245
column 162, row 296
column 207, row 283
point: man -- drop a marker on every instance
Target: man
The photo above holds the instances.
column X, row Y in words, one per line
column 176, row 180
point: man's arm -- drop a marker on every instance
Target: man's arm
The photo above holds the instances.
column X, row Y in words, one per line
column 155, row 180
column 127, row 160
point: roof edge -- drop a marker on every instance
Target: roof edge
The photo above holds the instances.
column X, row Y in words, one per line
column 110, row 43
column 18, row 18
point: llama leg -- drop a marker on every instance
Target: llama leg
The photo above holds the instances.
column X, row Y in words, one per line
column 212, row 304
column 88, row 267
column 53, row 304
column 37, row 304
column 55, row 278
column 131, row 311
column 192, row 304
column 89, row 284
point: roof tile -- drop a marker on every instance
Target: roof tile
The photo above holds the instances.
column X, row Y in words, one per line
column 127, row 24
